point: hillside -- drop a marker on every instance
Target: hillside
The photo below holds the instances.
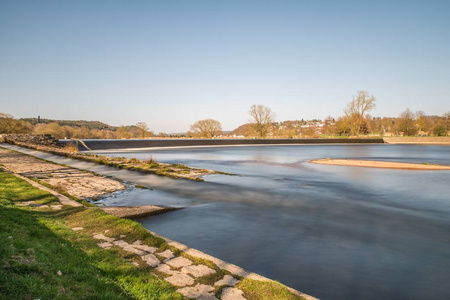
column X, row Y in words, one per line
column 72, row 123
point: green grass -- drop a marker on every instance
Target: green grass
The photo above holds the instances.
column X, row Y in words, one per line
column 36, row 244
column 258, row 290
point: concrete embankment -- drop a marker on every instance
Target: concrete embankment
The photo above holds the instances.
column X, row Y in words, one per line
column 96, row 145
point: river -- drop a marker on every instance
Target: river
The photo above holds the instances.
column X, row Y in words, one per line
column 332, row 232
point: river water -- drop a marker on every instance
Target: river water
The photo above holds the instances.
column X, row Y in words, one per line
column 332, row 232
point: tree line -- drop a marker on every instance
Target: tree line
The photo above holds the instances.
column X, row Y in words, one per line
column 355, row 121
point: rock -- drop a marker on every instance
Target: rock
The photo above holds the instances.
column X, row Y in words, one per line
column 105, row 245
column 163, row 268
column 179, row 262
column 151, row 260
column 189, row 292
column 59, row 273
column 227, row 280
column 105, row 238
column 131, row 249
column 198, row 271
column 166, row 254
column 232, row 294
column 180, row 280
column 145, row 248
column 77, row 228
column 121, row 243
column 200, row 291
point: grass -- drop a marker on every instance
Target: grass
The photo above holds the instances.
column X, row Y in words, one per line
column 258, row 290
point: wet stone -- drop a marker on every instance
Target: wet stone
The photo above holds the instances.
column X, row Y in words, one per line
column 180, row 280
column 227, row 280
column 179, row 262
column 198, row 271
column 232, row 294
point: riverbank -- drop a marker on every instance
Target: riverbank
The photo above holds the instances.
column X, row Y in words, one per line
column 123, row 247
column 147, row 166
column 379, row 164
column 427, row 140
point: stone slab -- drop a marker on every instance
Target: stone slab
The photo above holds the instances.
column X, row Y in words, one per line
column 179, row 262
column 198, row 270
column 227, row 280
column 232, row 294
column 180, row 280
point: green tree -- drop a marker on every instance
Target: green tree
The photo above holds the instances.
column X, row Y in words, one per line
column 406, row 123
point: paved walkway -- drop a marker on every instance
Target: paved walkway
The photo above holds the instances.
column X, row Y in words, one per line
column 179, row 271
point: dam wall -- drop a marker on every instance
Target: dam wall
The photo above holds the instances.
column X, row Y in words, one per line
column 98, row 145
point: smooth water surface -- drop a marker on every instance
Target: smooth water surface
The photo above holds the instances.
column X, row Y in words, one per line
column 329, row 231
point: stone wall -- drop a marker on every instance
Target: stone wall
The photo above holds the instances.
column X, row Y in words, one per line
column 42, row 139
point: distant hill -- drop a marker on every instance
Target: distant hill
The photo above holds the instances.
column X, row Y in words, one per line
column 78, row 123
column 244, row 130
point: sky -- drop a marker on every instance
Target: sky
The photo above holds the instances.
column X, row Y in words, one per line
column 171, row 63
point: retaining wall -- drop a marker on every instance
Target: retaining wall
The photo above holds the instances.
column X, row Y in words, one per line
column 150, row 143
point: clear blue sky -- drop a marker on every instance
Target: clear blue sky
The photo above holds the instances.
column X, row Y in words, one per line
column 171, row 63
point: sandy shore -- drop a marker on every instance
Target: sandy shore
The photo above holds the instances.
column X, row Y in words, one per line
column 379, row 164
column 76, row 182
column 419, row 140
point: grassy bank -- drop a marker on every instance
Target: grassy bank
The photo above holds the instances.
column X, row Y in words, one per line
column 41, row 257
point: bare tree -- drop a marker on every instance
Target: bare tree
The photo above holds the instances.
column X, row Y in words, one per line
column 406, row 123
column 357, row 110
column 143, row 129
column 262, row 118
column 207, row 128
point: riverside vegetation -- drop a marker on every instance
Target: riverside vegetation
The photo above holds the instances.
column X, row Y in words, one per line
column 43, row 256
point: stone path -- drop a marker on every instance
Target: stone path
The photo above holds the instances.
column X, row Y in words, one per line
column 76, row 182
column 179, row 271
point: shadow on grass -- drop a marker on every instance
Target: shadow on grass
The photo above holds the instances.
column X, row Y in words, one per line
column 40, row 257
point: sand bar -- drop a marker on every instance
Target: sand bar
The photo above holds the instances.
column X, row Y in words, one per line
column 380, row 164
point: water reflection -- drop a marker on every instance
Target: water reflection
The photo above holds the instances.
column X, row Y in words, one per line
column 332, row 232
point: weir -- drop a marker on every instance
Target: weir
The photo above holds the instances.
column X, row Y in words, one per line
column 91, row 144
